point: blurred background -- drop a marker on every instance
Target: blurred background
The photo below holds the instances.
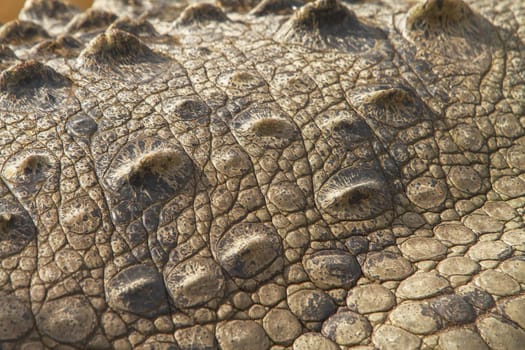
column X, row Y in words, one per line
column 9, row 8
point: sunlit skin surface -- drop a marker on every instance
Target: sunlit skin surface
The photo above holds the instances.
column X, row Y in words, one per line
column 274, row 175
column 11, row 8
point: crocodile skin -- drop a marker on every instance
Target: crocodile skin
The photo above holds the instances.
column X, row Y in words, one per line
column 252, row 175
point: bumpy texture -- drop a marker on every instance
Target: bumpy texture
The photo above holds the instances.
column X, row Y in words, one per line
column 274, row 175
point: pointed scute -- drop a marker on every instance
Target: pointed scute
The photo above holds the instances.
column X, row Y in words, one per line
column 91, row 19
column 328, row 24
column 19, row 32
column 138, row 27
column 45, row 11
column 448, row 27
column 116, row 47
column 62, row 46
column 201, row 13
column 30, row 75
column 320, row 13
column 438, row 13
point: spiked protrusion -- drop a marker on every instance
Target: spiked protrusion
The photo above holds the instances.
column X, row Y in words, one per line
column 201, row 13
column 448, row 27
column 30, row 75
column 91, row 20
column 328, row 24
column 48, row 13
column 115, row 48
column 21, row 32
column 444, row 15
column 138, row 27
column 63, row 46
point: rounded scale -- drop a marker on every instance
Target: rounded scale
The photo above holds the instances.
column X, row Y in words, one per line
column 81, row 125
column 237, row 334
column 138, row 289
column 6, row 54
column 30, row 168
column 386, row 266
column 80, row 216
column 454, row 309
column 355, row 193
column 195, row 338
column 266, row 125
column 332, row 269
column 347, row 328
column 69, row 319
column 395, row 106
column 231, row 161
column 15, row 318
column 149, row 169
column 185, row 108
column 194, row 282
column 247, row 249
column 308, row 341
column 240, row 80
column 311, row 305
column 427, row 192
column 345, row 126
column 287, row 196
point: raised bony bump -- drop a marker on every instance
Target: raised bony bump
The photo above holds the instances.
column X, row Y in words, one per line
column 393, row 95
column 21, row 32
column 47, row 8
column 50, row 14
column 28, row 168
column 138, row 27
column 161, row 162
column 201, row 13
column 114, row 48
column 91, row 19
column 355, row 193
column 269, row 125
column 439, row 13
column 448, row 27
column 328, row 24
column 27, row 76
column 395, row 106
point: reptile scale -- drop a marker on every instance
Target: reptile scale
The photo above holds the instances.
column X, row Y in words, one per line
column 272, row 175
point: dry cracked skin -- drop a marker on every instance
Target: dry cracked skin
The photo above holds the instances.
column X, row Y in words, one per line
column 277, row 175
